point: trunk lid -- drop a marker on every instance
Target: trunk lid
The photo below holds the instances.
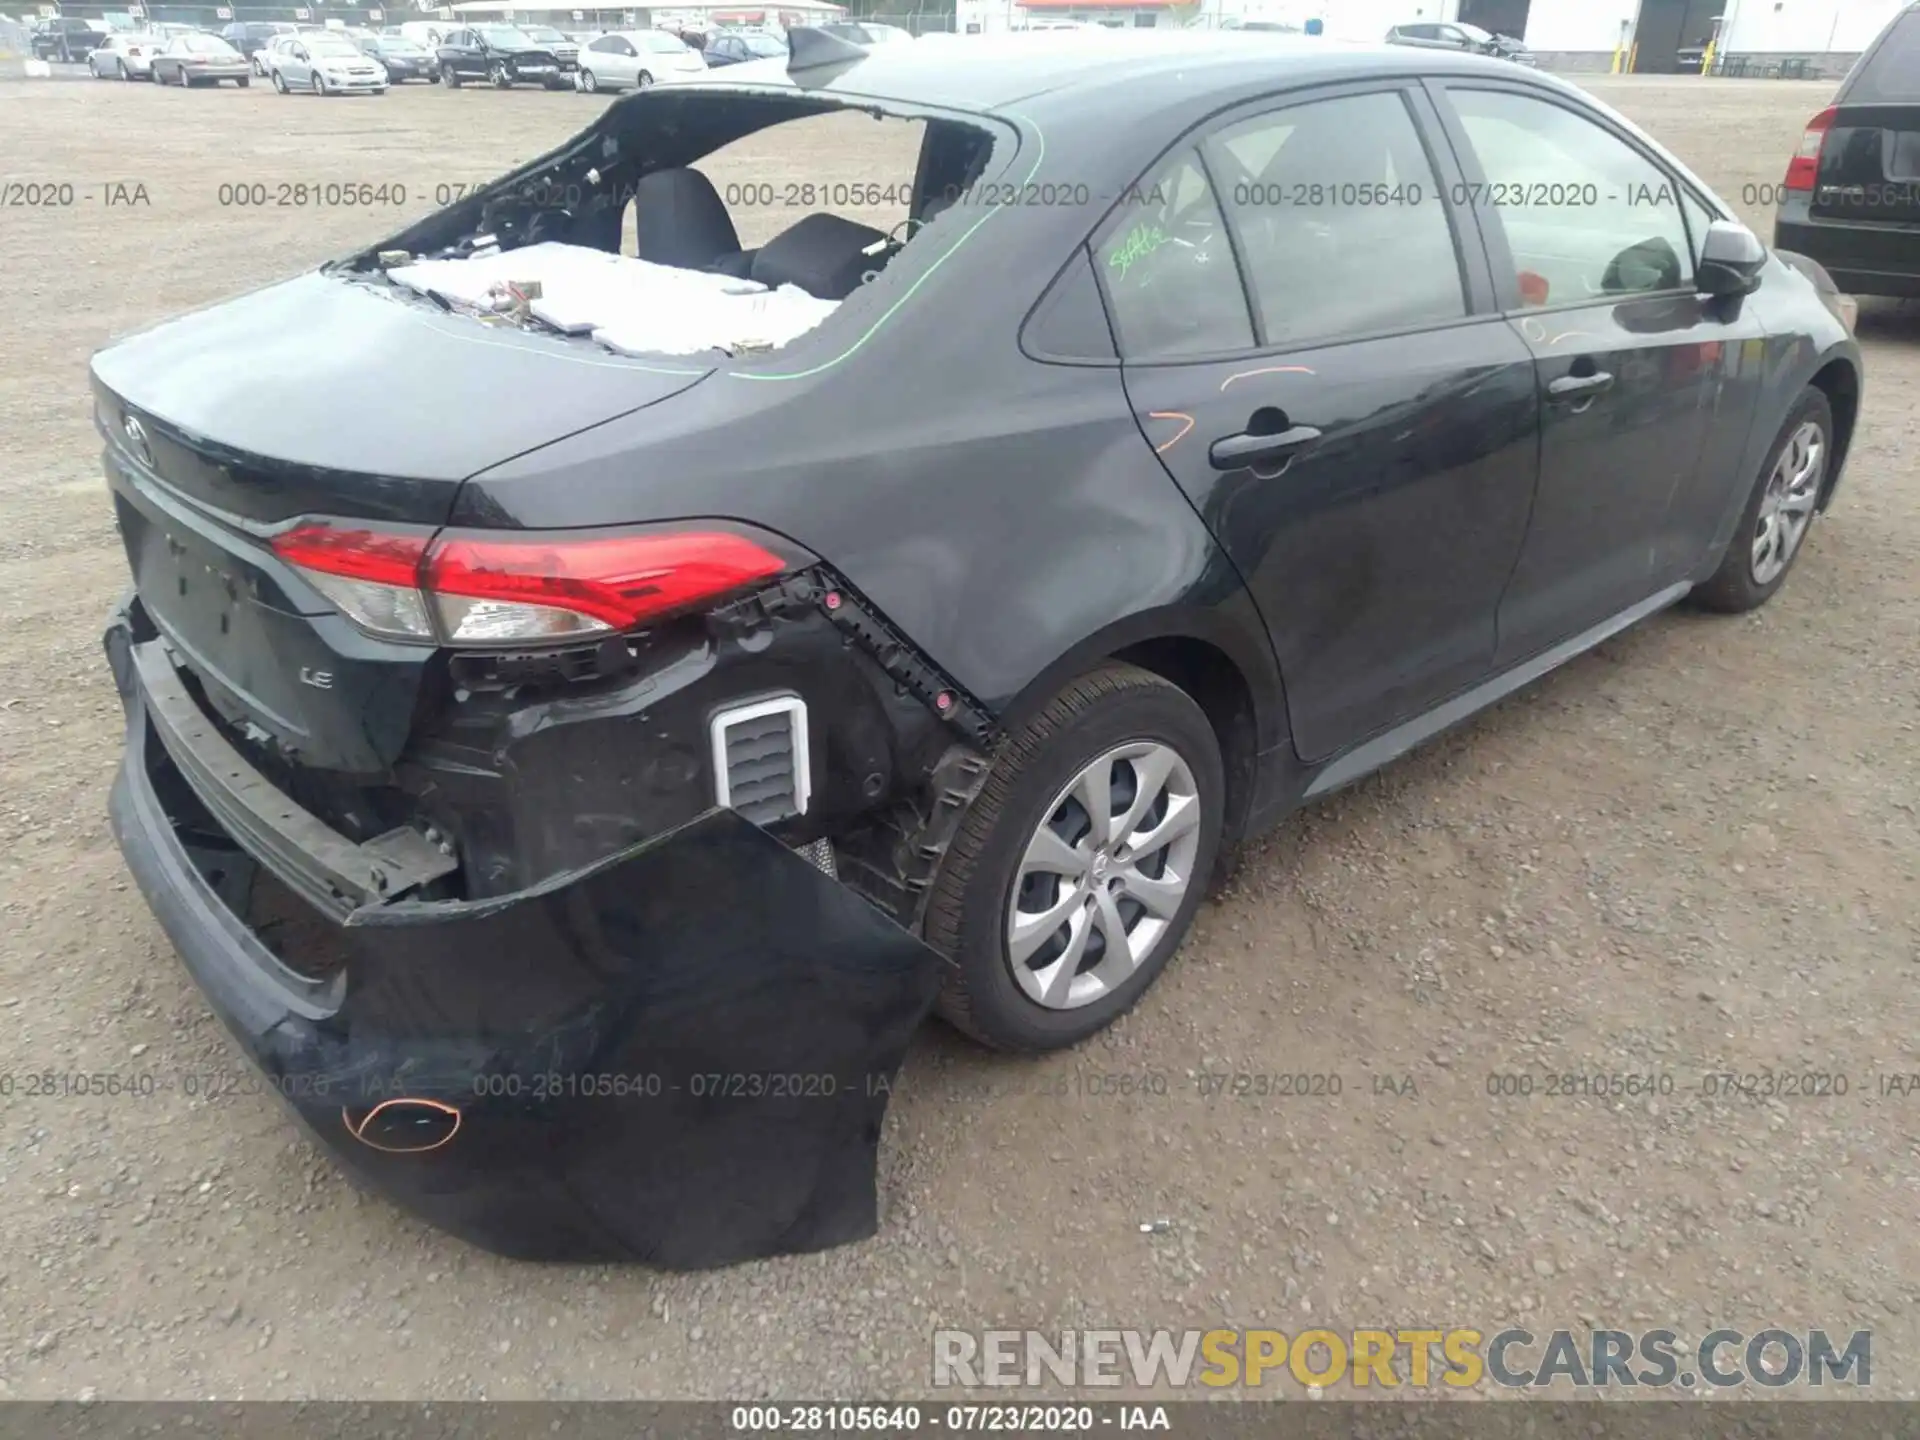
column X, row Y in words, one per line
column 319, row 397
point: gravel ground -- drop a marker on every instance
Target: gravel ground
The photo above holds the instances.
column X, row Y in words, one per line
column 1692, row 851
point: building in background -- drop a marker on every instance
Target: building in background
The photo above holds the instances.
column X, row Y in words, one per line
column 1816, row 37
column 1666, row 36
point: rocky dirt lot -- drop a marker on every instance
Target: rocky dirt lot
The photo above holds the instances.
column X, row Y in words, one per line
column 1694, row 851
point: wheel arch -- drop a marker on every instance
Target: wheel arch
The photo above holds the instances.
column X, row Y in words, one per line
column 1839, row 381
column 1219, row 656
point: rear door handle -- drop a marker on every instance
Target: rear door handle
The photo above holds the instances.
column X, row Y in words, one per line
column 1235, row 452
column 1574, row 386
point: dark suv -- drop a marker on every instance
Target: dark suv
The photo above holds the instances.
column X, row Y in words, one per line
column 1851, row 198
column 67, row 39
column 250, row 37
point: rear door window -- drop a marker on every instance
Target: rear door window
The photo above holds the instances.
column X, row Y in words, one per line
column 1890, row 72
column 1341, row 226
column 1168, row 269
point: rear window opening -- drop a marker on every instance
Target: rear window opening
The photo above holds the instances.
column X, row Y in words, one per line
column 690, row 221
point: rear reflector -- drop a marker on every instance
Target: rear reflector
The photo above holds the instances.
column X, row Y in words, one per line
column 761, row 768
column 1804, row 168
column 479, row 588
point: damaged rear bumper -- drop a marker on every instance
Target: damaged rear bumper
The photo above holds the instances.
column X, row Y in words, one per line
column 680, row 1054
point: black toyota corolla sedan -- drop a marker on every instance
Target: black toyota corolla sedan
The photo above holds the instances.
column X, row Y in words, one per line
column 575, row 776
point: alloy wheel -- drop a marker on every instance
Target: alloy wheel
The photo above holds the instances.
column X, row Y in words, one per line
column 589, row 82
column 1102, row 879
column 1786, row 507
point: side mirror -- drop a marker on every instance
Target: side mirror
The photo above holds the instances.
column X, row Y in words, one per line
column 1731, row 257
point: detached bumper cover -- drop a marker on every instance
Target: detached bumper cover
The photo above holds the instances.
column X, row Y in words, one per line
column 680, row 1055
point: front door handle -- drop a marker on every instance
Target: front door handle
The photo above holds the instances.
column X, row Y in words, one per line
column 1236, row 452
column 1572, row 387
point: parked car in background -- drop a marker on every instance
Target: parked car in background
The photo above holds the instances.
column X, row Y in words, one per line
column 401, row 58
column 635, row 59
column 866, row 32
column 67, row 39
column 250, row 37
column 326, row 65
column 1689, row 58
column 1454, row 36
column 200, row 59
column 500, row 55
column 127, row 55
column 565, row 49
column 1851, row 196
column 734, row 47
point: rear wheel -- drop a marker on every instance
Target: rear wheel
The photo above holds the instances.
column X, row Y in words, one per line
column 1774, row 525
column 1077, row 872
column 589, row 82
column 642, row 80
column 244, row 81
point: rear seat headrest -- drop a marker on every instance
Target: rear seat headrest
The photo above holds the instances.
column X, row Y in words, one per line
column 679, row 219
column 823, row 254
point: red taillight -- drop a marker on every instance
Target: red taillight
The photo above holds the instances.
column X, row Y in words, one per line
column 1804, row 168
column 618, row 580
column 356, row 554
column 488, row 588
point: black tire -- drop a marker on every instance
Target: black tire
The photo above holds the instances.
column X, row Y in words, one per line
column 244, row 81
column 642, row 80
column 968, row 904
column 502, row 79
column 589, row 82
column 280, row 82
column 1733, row 588
column 451, row 80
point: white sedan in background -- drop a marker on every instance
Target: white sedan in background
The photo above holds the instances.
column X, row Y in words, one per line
column 325, row 63
column 635, row 59
column 125, row 55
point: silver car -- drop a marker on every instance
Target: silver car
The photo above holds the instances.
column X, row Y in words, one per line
column 326, row 65
column 635, row 59
column 126, row 55
column 199, row 59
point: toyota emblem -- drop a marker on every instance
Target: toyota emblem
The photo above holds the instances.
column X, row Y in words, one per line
column 137, row 438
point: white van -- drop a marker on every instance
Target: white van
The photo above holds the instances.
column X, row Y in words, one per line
column 427, row 33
